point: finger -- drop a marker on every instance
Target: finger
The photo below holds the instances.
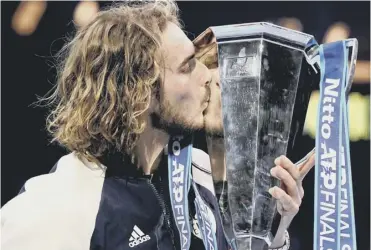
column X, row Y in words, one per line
column 307, row 166
column 287, row 180
column 287, row 203
column 284, row 162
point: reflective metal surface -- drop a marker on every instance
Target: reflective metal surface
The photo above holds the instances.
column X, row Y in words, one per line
column 266, row 82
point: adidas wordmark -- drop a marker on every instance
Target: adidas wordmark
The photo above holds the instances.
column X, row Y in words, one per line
column 137, row 237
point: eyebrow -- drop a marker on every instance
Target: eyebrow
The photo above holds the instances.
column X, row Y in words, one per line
column 190, row 57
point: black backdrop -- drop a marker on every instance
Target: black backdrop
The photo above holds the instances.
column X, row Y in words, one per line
column 27, row 72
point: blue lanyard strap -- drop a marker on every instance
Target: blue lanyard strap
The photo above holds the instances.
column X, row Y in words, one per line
column 204, row 214
column 333, row 211
column 179, row 164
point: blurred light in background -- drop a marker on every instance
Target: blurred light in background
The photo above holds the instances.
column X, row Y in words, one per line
column 85, row 12
column 27, row 17
column 290, row 23
column 359, row 119
column 337, row 31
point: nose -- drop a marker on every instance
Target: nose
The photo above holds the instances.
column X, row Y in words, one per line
column 209, row 81
column 215, row 76
column 207, row 76
column 217, row 83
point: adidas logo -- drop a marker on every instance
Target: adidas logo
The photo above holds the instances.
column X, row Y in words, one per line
column 137, row 237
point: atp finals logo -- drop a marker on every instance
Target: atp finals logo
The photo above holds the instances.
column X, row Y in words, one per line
column 207, row 223
column 328, row 166
column 242, row 65
column 329, row 157
column 179, row 179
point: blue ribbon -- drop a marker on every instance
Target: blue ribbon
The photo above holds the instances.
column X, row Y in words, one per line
column 347, row 236
column 202, row 212
column 333, row 208
column 179, row 164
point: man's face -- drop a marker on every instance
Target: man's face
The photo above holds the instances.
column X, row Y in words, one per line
column 184, row 92
column 206, row 51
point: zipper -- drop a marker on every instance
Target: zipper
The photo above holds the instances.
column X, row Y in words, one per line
column 164, row 209
column 167, row 210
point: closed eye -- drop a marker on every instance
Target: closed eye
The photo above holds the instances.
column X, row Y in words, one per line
column 189, row 65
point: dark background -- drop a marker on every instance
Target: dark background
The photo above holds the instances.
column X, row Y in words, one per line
column 27, row 72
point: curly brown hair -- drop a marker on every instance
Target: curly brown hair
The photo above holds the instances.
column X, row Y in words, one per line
column 106, row 76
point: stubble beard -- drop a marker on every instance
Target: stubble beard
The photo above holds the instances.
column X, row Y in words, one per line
column 170, row 120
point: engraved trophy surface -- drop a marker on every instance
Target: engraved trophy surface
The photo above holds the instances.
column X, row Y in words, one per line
column 266, row 82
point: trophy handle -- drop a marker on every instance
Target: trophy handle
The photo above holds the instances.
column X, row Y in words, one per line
column 313, row 59
column 351, row 43
column 305, row 158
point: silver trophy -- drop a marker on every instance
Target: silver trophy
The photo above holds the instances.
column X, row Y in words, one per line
column 267, row 74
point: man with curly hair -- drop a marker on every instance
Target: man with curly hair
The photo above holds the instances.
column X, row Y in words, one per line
column 127, row 81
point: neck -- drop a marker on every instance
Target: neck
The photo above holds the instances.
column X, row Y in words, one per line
column 216, row 151
column 149, row 147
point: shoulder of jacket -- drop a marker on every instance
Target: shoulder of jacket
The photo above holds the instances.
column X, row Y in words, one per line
column 56, row 210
